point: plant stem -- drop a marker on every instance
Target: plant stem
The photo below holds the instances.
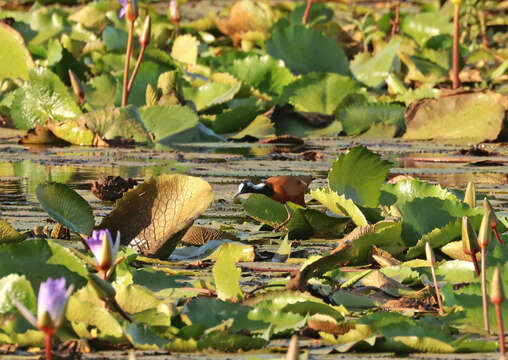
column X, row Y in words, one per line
column 136, row 68
column 455, row 66
column 396, row 22
column 47, row 337
column 438, row 295
column 499, row 316
column 128, row 53
column 494, row 229
column 485, row 40
column 484, row 292
column 475, row 263
column 307, row 12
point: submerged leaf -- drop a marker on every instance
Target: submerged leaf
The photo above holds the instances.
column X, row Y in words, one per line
column 155, row 215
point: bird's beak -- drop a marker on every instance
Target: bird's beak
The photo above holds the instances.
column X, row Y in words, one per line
column 237, row 194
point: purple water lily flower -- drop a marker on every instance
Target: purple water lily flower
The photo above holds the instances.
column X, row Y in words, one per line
column 51, row 304
column 124, row 3
column 103, row 249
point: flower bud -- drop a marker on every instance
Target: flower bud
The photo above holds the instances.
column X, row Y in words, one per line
column 144, row 39
column 469, row 238
column 103, row 249
column 485, row 230
column 470, row 195
column 496, row 290
column 174, row 12
column 77, row 87
column 132, row 10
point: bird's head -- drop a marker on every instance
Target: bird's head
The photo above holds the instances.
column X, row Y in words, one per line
column 250, row 188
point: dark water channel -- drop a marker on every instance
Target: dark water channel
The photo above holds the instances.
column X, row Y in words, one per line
column 224, row 165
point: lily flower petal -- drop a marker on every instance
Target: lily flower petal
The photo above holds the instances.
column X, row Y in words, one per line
column 52, row 300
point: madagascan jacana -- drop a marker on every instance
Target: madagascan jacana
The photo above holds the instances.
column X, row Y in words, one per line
column 281, row 189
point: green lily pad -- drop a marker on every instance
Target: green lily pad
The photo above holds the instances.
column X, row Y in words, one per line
column 15, row 59
column 40, row 259
column 235, row 119
column 226, row 275
column 211, row 93
column 373, row 70
column 211, row 312
column 261, row 127
column 122, row 122
column 164, row 207
column 306, row 50
column 358, row 175
column 320, row 92
column 264, row 73
column 66, row 206
column 475, row 116
column 358, row 118
column 72, row 131
column 42, row 96
column 166, row 122
column 338, row 204
column 142, row 337
column 423, row 26
column 16, row 287
column 101, row 91
column 225, row 342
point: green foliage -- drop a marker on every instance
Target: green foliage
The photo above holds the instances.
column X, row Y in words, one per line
column 66, row 206
column 43, row 96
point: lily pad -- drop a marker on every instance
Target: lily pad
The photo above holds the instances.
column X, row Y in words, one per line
column 210, row 94
column 165, row 122
column 66, row 206
column 15, row 59
column 358, row 118
column 226, row 275
column 264, row 73
column 16, row 287
column 42, row 96
column 339, row 204
column 306, row 50
column 320, row 92
column 185, row 49
column 155, row 215
column 373, row 70
column 475, row 116
column 358, row 175
column 423, row 26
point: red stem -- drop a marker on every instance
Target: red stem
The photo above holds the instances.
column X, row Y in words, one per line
column 484, row 292
column 438, row 295
column 136, row 68
column 48, row 336
column 494, row 228
column 475, row 263
column 455, row 66
column 307, row 12
column 128, row 54
column 499, row 316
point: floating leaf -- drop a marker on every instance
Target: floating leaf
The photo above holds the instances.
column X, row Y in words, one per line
column 16, row 287
column 358, row 118
column 475, row 116
column 142, row 337
column 66, row 206
column 210, row 94
column 156, row 214
column 72, row 132
column 320, row 92
column 235, row 119
column 359, row 174
column 226, row 275
column 263, row 73
column 373, row 70
column 338, row 204
column 42, row 96
column 425, row 25
column 15, row 59
column 260, row 128
column 40, row 259
column 122, row 122
column 225, row 342
column 306, row 50
column 8, row 234
column 101, row 91
column 166, row 122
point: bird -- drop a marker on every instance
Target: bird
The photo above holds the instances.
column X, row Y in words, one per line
column 279, row 188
